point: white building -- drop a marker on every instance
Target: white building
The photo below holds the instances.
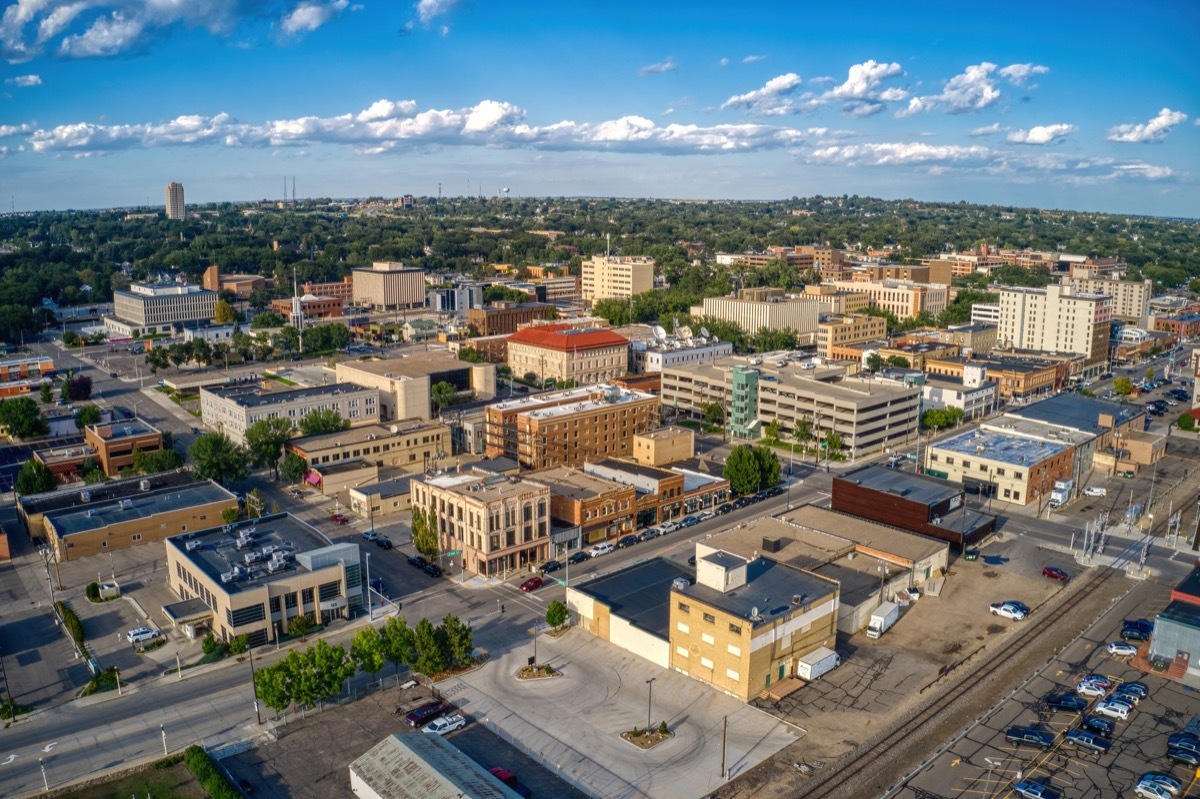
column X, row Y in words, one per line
column 209, row 333
column 653, row 356
column 974, row 395
column 987, row 313
column 158, row 307
column 1056, row 319
column 231, row 410
column 175, row 206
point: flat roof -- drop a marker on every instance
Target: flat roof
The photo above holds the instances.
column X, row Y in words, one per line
column 252, row 396
column 387, row 489
column 98, row 515
column 640, row 594
column 664, row 433
column 359, row 435
column 576, row 484
column 540, row 400
column 497, row 465
column 348, row 465
column 1031, row 427
column 913, row 487
column 794, row 375
column 1077, row 412
column 126, row 428
column 410, row 365
column 640, row 469
column 425, row 767
column 942, row 381
column 1190, row 585
column 863, row 532
column 1180, row 612
column 217, row 552
column 769, row 589
column 1001, row 447
column 484, row 488
column 101, row 492
column 613, row 396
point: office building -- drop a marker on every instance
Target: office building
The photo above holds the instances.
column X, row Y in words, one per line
column 615, row 277
column 569, row 427
column 602, row 509
column 561, row 353
column 26, row 368
column 1056, row 319
column 254, row 577
column 336, row 480
column 241, row 285
column 382, row 500
column 389, row 286
column 837, row 301
column 113, row 445
column 1015, row 378
column 840, row 331
column 763, row 309
column 656, row 353
column 158, row 307
column 903, row 298
column 310, row 307
column 500, row 524
column 664, row 446
column 405, row 382
column 232, row 409
column 985, row 313
column 176, row 209
column 411, row 445
column 455, row 300
column 1130, row 299
column 32, row 509
column 504, row 318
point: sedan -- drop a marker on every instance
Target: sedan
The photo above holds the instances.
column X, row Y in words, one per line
column 1035, row 790
column 726, row 508
column 627, row 541
column 1138, row 689
column 1098, row 679
column 578, row 557
column 417, row 561
column 446, row 724
column 1121, row 649
column 383, row 542
column 708, row 514
column 688, row 521
column 1184, row 757
column 433, row 570
column 1101, row 725
column 1090, row 689
column 422, row 715
column 648, row 534
column 551, row 566
column 532, row 584
column 1150, row 790
column 368, row 535
column 1055, row 573
column 1116, row 710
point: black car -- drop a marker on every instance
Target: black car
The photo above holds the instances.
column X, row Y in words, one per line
column 726, row 508
column 627, row 541
column 1066, row 703
column 1099, row 724
column 1134, row 634
column 1029, row 736
column 742, row 502
column 578, row 557
column 775, row 491
column 433, row 570
column 760, row 496
column 551, row 566
column 1184, row 740
column 383, row 542
column 1138, row 624
column 418, row 561
column 1184, row 757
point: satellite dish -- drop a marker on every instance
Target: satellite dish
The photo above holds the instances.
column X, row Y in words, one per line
column 685, row 332
column 659, row 333
column 753, row 611
column 505, row 190
column 704, row 332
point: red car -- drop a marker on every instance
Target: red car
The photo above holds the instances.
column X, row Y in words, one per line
column 1055, row 574
column 532, row 584
column 340, row 519
column 426, row 713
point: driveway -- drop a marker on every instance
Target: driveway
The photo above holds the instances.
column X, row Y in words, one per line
column 572, row 724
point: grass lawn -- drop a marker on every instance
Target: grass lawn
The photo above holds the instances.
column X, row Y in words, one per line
column 175, row 782
column 278, row 379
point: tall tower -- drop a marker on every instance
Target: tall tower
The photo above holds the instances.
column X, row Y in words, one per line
column 175, row 206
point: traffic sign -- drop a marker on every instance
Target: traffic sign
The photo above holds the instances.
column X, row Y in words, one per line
column 452, row 553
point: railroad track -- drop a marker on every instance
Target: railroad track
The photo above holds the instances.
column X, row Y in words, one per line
column 827, row 783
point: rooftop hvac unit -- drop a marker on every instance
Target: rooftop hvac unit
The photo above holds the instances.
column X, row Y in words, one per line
column 192, row 546
column 85, row 496
column 681, row 583
column 252, row 557
column 228, row 577
column 772, row 544
column 144, row 485
column 126, row 504
column 276, row 566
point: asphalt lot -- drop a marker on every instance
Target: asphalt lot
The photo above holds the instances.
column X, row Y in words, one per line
column 982, row 763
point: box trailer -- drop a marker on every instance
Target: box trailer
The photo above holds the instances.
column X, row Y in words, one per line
column 882, row 619
column 817, row 663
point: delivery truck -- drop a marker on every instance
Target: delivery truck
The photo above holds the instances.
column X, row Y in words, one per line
column 817, row 663
column 1061, row 494
column 882, row 619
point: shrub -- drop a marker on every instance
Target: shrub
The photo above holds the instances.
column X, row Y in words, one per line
column 662, row 728
column 239, row 644
column 72, row 623
column 301, row 625
column 208, row 775
column 93, row 592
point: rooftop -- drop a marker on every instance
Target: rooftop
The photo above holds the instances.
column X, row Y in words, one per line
column 769, row 591
column 666, row 433
column 163, row 290
column 214, row 551
column 568, row 339
column 338, row 467
column 606, row 397
column 410, row 365
column 101, row 492
column 540, row 400
column 1190, row 585
column 497, row 465
column 793, row 371
column 913, row 487
column 98, row 515
column 641, row 470
column 1077, row 412
column 481, row 488
column 827, row 524
column 575, row 484
column 359, row 435
column 1181, row 612
column 956, row 384
column 252, row 396
column 1031, row 428
column 397, row 487
column 640, row 594
column 129, row 428
column 425, row 767
column 1001, row 447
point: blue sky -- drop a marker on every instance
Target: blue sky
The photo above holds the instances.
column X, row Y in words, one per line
column 1088, row 106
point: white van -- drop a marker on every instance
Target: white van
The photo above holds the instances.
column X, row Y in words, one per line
column 603, row 548
column 141, row 635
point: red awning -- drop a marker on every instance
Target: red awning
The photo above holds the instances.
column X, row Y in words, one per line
column 65, row 468
column 313, row 479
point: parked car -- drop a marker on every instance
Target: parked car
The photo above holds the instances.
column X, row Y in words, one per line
column 726, row 508
column 422, row 715
column 1126, row 697
column 1010, row 609
column 1164, row 781
column 603, row 548
column 688, row 521
column 708, row 514
column 1055, row 573
column 1029, row 736
column 433, row 570
column 1144, row 625
column 1116, row 710
column 383, row 542
column 551, row 566
column 339, row 518
column 446, row 724
column 1086, row 739
column 1065, row 703
column 1098, row 679
column 418, row 561
column 627, row 541
column 1121, row 649
column 774, row 491
column 1134, row 634
column 668, row 527
column 532, row 584
column 141, row 635
column 1099, row 724
column 1184, row 757
column 368, row 535
column 1095, row 491
column 649, row 533
column 1090, row 689
column 295, row 494
column 1184, row 740
column 1028, row 789
column 1150, row 790
column 578, row 557
column 1138, row 689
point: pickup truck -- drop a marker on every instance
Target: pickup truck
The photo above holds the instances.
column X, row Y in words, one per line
column 1009, row 609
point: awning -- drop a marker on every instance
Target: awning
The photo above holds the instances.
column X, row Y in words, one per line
column 68, row 467
column 313, row 479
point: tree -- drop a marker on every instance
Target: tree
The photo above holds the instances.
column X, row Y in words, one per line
column 220, row 352
column 742, row 470
column 424, row 533
column 768, row 466
column 267, row 319
column 874, row 362
column 460, row 641
column 430, row 658
column 399, row 645
column 444, row 394
column 326, row 420
column 557, row 614
column 22, row 417
column 35, row 477
column 231, row 515
column 294, row 468
column 77, row 388
column 1186, row 422
column 1123, row 386
column 941, row 418
column 264, row 442
column 47, row 394
column 259, row 298
column 803, row 429
column 712, row 413
column 164, row 460
column 530, row 378
column 271, row 685
column 157, row 358
column 202, row 352
column 224, row 313
column 332, row 665
column 832, row 441
column 215, row 457
column 87, row 415
column 898, row 361
column 771, row 430
column 367, row 650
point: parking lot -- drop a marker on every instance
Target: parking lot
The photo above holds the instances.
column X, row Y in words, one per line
column 982, row 763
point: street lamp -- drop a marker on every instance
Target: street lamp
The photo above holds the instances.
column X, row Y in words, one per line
column 369, row 606
column 649, row 700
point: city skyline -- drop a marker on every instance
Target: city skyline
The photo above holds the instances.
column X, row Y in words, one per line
column 1086, row 107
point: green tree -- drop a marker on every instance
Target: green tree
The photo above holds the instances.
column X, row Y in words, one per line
column 47, row 394
column 771, row 430
column 768, row 466
column 557, row 614
column 35, row 477
column 430, row 659
column 803, row 429
column 151, row 462
column 264, row 442
column 271, row 685
column 424, row 534
column 742, row 470
column 215, row 457
column 224, row 313
column 1149, row 375
column 1186, row 422
column 87, row 415
column 399, row 644
column 367, row 650
column 294, row 468
column 333, row 666
column 874, row 362
column 157, row 358
column 530, row 378
column 259, row 298
column 267, row 319
column 22, row 417
column 460, row 640
column 444, row 394
column 832, row 441
column 712, row 413
column 898, row 361
column 326, row 420
column 231, row 515
column 941, row 418
column 1123, row 386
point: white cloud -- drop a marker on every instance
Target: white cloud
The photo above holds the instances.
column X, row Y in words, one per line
column 429, row 10
column 108, row 36
column 750, row 59
column 890, row 153
column 770, row 99
column 971, row 90
column 309, row 16
column 1154, row 130
column 14, row 130
column 863, row 78
column 1017, row 74
column 668, row 112
column 24, row 81
column 986, row 130
column 1041, row 134
column 387, row 109
column 57, row 21
column 659, row 68
column 724, row 62
column 1141, row 170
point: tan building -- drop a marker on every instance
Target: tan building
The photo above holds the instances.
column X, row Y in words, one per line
column 240, row 285
column 147, row 517
column 763, row 309
column 404, row 382
column 904, row 299
column 389, row 285
column 382, row 500
column 500, row 524
column 608, row 277
column 840, row 331
column 1014, row 378
column 664, row 494
column 411, row 445
column 1023, row 470
column 336, row 480
column 176, row 209
column 1130, row 298
column 340, row 290
column 503, row 318
column 1057, row 319
column 917, row 351
column 837, row 301
column 562, row 353
column 493, row 348
column 157, row 308
column 311, row 306
column 664, row 446
column 231, row 410
column 570, row 427
column 254, row 577
column 114, row 444
column 601, row 509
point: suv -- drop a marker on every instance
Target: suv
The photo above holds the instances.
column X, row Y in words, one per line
column 1035, row 790
column 627, row 541
column 420, row 716
column 1029, row 736
column 603, row 548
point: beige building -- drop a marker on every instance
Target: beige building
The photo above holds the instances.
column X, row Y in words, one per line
column 1056, row 319
column 231, row 410
column 500, row 524
column 763, row 309
column 389, row 285
column 404, row 382
column 148, row 517
column 605, row 277
column 254, row 577
column 176, row 209
column 410, row 444
column 1130, row 298
column 1018, row 469
column 381, row 500
column 157, row 308
column 336, row 480
column 837, row 301
column 664, row 446
column 840, row 331
column 902, row 298
column 562, row 353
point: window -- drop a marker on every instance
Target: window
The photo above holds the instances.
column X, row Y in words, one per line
column 306, row 596
column 736, row 651
column 103, row 544
column 683, row 607
column 708, row 617
column 137, row 537
column 706, row 663
column 708, row 639
column 683, row 628
column 736, row 629
column 733, row 675
column 1016, row 495
column 681, row 651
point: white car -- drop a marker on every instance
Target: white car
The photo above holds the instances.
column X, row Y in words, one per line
column 1151, row 790
column 1164, row 781
column 1095, row 491
column 1089, row 689
column 1121, row 649
column 1116, row 710
column 668, row 527
column 1011, row 609
column 446, row 724
column 141, row 635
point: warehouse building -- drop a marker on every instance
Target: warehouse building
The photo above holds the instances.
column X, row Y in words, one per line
column 422, row 767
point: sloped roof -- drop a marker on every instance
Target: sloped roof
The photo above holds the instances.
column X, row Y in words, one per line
column 570, row 340
column 419, row 766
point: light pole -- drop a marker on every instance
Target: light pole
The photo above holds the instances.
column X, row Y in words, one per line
column 45, row 782
column 369, row 606
column 164, row 737
column 649, row 700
